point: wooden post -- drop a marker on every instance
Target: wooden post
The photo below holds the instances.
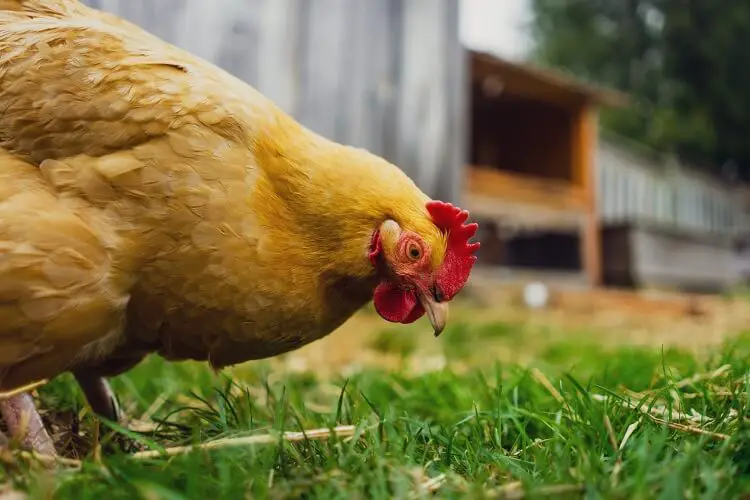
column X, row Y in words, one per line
column 586, row 132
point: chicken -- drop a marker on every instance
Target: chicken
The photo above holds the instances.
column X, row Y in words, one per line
column 152, row 203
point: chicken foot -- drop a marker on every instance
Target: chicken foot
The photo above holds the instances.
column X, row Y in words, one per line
column 99, row 395
column 24, row 423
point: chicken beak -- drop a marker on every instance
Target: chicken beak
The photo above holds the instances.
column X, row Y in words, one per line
column 436, row 311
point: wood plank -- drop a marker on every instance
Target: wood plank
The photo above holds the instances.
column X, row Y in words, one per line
column 323, row 44
column 422, row 111
column 237, row 49
column 539, row 83
column 368, row 93
column 512, row 187
column 510, row 82
column 638, row 187
column 278, row 53
column 520, row 216
column 157, row 18
column 457, row 94
column 393, row 58
column 580, row 156
column 591, row 236
column 199, row 28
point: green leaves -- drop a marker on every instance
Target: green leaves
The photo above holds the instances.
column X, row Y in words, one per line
column 685, row 63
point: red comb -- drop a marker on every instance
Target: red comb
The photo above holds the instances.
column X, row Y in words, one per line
column 459, row 253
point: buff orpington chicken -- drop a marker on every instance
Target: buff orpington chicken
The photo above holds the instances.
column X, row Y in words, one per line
column 150, row 202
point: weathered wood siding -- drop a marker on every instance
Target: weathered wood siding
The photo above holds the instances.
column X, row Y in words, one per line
column 667, row 225
column 645, row 255
column 636, row 186
column 385, row 75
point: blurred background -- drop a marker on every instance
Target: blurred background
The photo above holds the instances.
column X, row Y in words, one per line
column 603, row 146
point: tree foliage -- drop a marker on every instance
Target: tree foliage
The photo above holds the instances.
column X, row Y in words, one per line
column 685, row 62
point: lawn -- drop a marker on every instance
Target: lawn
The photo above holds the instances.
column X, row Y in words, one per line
column 577, row 419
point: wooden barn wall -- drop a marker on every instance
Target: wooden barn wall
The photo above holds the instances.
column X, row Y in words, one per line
column 385, row 75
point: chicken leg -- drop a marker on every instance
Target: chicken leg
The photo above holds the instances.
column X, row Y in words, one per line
column 23, row 422
column 99, row 395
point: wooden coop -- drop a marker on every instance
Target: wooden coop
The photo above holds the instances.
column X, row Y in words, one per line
column 668, row 225
column 531, row 178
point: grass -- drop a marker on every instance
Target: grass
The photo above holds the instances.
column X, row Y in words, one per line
column 580, row 421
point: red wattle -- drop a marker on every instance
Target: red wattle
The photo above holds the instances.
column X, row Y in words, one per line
column 397, row 305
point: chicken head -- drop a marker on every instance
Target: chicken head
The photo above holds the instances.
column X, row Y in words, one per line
column 419, row 276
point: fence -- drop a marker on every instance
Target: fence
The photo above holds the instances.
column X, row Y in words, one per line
column 640, row 186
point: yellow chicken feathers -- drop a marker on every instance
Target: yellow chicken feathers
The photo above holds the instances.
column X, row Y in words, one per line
column 151, row 202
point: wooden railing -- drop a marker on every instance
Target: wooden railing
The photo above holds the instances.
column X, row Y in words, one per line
column 635, row 186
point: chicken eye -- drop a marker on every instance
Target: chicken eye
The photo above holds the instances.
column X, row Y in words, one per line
column 414, row 251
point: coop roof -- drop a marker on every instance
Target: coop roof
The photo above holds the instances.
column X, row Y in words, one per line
column 527, row 80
